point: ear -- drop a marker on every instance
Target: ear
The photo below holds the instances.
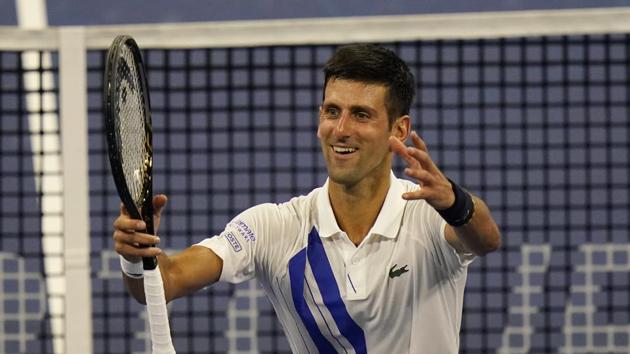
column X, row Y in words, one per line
column 402, row 128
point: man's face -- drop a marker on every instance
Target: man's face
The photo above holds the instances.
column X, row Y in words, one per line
column 354, row 131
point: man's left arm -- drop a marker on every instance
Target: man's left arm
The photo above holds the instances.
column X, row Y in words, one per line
column 470, row 228
column 480, row 235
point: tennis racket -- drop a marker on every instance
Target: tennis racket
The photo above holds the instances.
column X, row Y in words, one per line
column 128, row 130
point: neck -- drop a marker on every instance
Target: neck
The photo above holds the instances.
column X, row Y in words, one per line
column 356, row 207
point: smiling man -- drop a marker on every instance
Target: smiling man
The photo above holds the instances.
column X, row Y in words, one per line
column 366, row 263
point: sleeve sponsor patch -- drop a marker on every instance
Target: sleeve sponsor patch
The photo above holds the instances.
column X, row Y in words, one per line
column 243, row 229
column 233, row 241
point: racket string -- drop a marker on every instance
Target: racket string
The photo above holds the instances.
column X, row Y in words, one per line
column 135, row 147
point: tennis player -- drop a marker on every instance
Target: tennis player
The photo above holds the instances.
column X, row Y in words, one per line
column 368, row 262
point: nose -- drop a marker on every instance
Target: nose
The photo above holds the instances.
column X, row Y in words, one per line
column 343, row 126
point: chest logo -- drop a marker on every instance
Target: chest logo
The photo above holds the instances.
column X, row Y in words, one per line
column 393, row 273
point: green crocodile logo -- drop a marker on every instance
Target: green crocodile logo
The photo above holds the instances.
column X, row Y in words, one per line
column 393, row 273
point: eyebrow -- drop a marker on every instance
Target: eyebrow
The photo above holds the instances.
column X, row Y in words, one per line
column 353, row 108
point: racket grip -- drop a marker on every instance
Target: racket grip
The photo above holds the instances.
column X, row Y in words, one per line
column 156, row 311
column 149, row 263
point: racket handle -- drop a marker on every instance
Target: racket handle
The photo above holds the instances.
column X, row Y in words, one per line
column 149, row 263
column 156, row 311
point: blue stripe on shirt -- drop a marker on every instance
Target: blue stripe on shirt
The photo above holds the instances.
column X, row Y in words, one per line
column 325, row 278
column 296, row 275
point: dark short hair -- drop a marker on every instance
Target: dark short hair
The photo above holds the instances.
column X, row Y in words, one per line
column 375, row 65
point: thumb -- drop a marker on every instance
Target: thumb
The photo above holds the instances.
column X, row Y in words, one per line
column 123, row 210
column 159, row 202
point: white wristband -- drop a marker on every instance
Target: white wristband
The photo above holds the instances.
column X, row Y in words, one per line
column 132, row 270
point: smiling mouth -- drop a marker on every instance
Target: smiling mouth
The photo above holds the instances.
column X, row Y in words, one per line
column 343, row 150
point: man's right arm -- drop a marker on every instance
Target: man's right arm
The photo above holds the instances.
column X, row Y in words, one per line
column 182, row 274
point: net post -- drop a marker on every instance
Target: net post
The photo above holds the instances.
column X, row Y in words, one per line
column 74, row 148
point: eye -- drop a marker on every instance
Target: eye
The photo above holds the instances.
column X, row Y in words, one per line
column 332, row 112
column 362, row 115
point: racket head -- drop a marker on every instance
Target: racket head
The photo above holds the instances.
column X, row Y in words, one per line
column 129, row 130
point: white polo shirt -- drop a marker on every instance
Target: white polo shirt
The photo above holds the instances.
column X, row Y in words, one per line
column 400, row 291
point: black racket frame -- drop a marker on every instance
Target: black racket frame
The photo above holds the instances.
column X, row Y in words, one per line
column 114, row 144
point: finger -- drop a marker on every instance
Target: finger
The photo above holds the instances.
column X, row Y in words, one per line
column 422, row 157
column 135, row 238
column 125, row 223
column 418, row 142
column 417, row 194
column 131, row 251
column 145, row 239
column 421, row 154
column 123, row 210
column 401, row 150
column 423, row 177
column 397, row 146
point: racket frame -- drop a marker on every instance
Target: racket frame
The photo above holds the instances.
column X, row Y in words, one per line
column 110, row 102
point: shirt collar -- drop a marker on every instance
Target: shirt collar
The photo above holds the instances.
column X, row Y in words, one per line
column 387, row 223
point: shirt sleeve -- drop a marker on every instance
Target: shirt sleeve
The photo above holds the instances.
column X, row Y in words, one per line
column 241, row 241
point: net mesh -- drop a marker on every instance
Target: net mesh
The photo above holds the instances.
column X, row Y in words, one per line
column 536, row 126
column 31, row 243
column 131, row 133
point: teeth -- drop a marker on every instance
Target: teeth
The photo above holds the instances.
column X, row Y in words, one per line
column 344, row 150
